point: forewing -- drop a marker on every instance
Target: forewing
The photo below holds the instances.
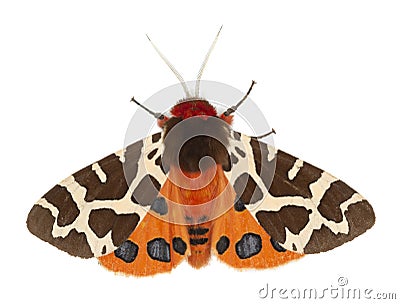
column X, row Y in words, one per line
column 305, row 209
column 93, row 211
column 252, row 168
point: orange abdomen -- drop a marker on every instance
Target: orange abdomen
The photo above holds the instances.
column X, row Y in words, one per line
column 206, row 196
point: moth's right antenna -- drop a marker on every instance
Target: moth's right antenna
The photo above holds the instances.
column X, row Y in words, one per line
column 234, row 108
column 203, row 65
column 169, row 64
column 266, row 134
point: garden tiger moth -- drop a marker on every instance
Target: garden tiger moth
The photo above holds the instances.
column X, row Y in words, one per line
column 146, row 208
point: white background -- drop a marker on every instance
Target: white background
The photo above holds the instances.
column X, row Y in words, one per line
column 328, row 77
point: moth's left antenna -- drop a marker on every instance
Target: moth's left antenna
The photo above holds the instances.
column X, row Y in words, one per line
column 169, row 64
column 155, row 114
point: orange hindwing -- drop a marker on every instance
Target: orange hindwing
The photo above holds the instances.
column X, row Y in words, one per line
column 198, row 223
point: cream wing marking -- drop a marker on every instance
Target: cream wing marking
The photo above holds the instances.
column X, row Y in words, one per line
column 100, row 173
column 248, row 171
column 304, row 209
column 91, row 212
column 295, row 169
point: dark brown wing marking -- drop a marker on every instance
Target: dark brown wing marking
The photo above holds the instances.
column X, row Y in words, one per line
column 308, row 210
column 253, row 165
column 92, row 212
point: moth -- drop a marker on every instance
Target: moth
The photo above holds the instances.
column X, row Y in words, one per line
column 194, row 189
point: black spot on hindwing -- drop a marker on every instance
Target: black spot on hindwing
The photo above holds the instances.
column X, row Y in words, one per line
column 127, row 251
column 222, row 244
column 159, row 206
column 239, row 205
column 179, row 245
column 277, row 246
column 158, row 249
column 249, row 245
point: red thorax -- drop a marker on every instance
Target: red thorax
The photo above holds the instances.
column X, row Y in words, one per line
column 192, row 108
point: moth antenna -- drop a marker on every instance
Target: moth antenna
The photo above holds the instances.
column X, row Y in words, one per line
column 203, row 65
column 266, row 134
column 155, row 114
column 235, row 107
column 169, row 64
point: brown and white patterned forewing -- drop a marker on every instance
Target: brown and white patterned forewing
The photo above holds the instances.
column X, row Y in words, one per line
column 93, row 211
column 252, row 169
column 307, row 210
